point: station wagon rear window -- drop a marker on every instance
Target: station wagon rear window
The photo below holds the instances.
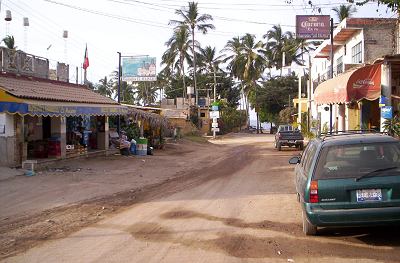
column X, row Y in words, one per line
column 355, row 160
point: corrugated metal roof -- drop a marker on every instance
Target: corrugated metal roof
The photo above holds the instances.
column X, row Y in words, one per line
column 42, row 89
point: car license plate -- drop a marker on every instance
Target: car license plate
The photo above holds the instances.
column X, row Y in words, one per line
column 291, row 140
column 367, row 195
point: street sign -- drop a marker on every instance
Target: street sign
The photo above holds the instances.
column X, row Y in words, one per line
column 214, row 108
column 214, row 124
column 382, row 101
column 214, row 114
column 386, row 112
column 215, row 129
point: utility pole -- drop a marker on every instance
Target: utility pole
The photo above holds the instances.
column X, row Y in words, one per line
column 215, row 84
column 331, row 76
column 309, row 87
column 299, row 104
column 119, row 91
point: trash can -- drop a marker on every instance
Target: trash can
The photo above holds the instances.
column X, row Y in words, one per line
column 141, row 147
column 133, row 148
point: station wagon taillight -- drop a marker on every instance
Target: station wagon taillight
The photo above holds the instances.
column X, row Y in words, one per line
column 314, row 192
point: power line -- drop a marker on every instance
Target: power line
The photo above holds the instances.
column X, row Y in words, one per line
column 57, row 31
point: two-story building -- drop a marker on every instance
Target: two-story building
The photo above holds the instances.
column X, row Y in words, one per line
column 364, row 68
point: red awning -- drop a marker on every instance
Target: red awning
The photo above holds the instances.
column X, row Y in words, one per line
column 362, row 83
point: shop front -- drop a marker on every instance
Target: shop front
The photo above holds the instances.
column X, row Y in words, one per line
column 50, row 120
column 351, row 100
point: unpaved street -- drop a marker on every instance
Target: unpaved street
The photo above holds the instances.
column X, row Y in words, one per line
column 242, row 208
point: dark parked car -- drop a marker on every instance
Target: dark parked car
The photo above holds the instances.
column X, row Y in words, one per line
column 288, row 136
column 351, row 179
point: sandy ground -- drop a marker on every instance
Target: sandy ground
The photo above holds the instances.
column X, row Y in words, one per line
column 241, row 208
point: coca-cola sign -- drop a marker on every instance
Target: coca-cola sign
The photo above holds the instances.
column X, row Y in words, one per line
column 312, row 27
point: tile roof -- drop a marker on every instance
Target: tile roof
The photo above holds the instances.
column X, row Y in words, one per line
column 43, row 89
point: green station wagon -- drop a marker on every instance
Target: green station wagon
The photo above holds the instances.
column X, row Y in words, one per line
column 349, row 179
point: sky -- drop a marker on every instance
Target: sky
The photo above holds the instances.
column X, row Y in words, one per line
column 140, row 27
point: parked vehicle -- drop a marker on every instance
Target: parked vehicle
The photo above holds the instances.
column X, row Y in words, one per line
column 288, row 136
column 350, row 179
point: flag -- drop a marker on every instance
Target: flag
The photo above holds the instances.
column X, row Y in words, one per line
column 86, row 60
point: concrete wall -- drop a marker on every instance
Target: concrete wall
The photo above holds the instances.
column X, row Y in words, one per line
column 7, row 151
column 186, row 127
column 379, row 41
column 8, row 140
column 7, row 120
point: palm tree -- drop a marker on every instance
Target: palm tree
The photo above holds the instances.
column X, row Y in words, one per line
column 192, row 20
column 254, row 66
column 145, row 93
column 177, row 52
column 247, row 61
column 104, row 87
column 276, row 40
column 234, row 57
column 210, row 63
column 9, row 41
column 344, row 11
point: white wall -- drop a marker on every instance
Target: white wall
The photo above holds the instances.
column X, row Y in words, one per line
column 321, row 65
column 7, row 120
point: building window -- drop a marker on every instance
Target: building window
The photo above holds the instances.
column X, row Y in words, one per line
column 356, row 53
column 339, row 65
column 202, row 114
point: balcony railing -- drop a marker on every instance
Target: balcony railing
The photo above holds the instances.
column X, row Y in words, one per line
column 19, row 62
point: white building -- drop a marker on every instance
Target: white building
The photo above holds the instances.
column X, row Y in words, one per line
column 364, row 68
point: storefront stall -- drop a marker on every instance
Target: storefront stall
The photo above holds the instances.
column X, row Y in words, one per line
column 354, row 99
column 52, row 120
column 151, row 124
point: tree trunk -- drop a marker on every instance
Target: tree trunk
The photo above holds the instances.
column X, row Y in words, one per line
column 258, row 123
column 184, row 82
column 247, row 110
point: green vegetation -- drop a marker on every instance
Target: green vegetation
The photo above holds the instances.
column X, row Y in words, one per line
column 240, row 72
column 392, row 126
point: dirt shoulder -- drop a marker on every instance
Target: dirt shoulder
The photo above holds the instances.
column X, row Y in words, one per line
column 75, row 194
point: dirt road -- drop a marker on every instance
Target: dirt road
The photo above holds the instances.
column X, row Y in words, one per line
column 242, row 208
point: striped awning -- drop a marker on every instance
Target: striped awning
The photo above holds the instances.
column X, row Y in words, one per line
column 362, row 83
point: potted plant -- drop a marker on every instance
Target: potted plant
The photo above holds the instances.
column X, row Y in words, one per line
column 392, row 126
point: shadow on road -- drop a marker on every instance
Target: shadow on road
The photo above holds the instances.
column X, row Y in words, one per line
column 252, row 246
column 375, row 236
column 235, row 222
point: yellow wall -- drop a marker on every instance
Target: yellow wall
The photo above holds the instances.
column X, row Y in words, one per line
column 354, row 118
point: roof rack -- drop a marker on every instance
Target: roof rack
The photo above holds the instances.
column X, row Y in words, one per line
column 347, row 132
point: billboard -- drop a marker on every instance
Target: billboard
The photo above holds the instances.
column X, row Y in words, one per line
column 139, row 68
column 313, row 26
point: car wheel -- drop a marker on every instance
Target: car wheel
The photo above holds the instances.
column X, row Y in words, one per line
column 308, row 228
column 279, row 146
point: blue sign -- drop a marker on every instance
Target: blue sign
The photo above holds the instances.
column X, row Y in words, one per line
column 382, row 101
column 387, row 112
column 214, row 108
